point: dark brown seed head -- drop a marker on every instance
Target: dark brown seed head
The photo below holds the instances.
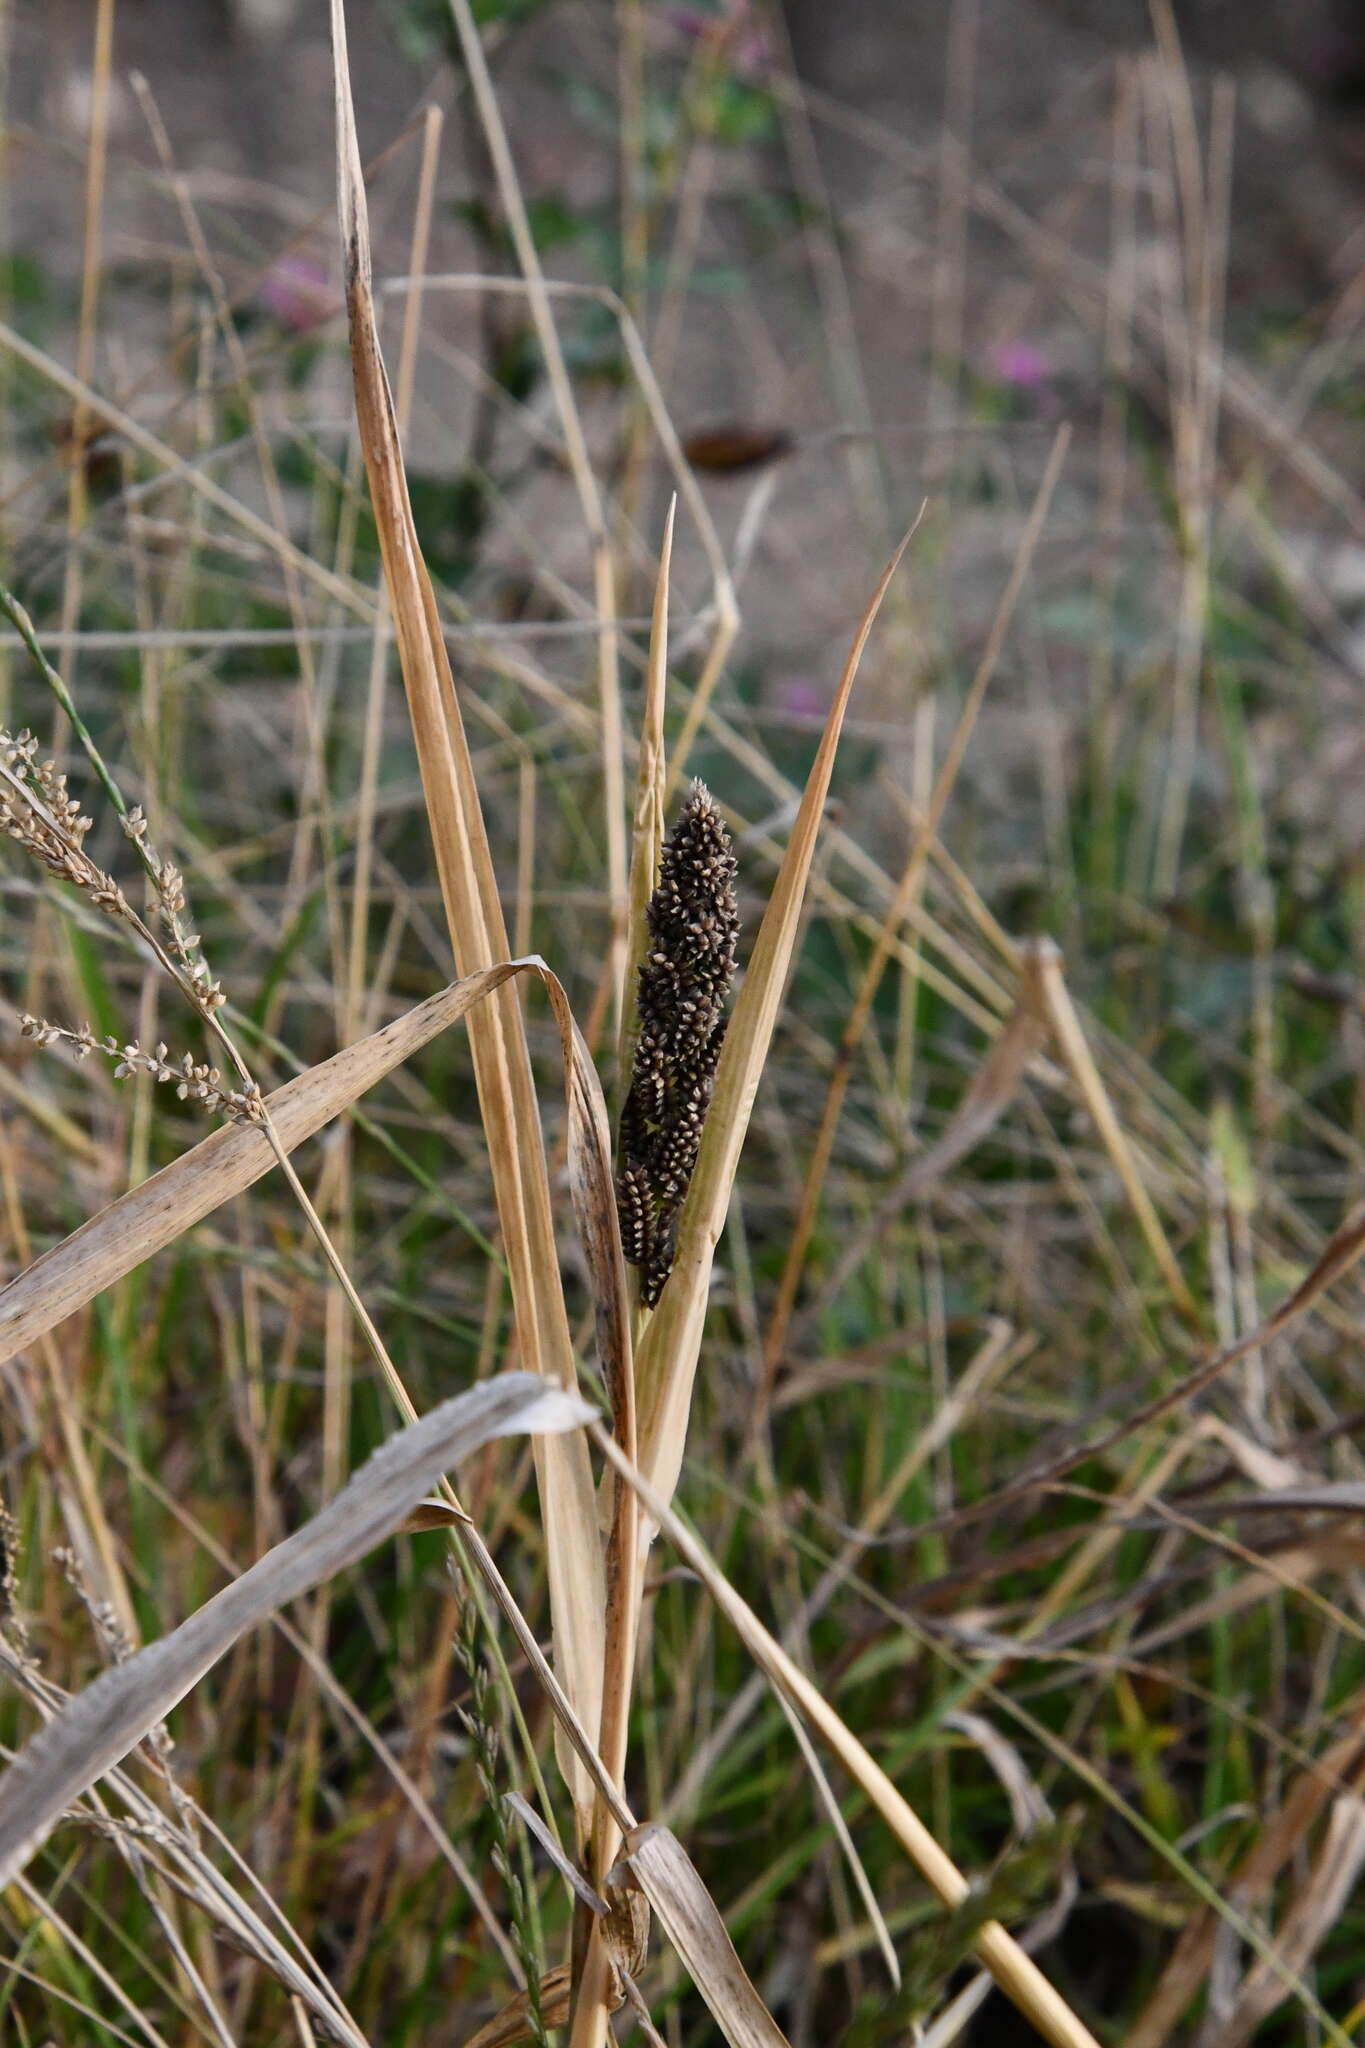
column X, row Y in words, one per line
column 684, row 980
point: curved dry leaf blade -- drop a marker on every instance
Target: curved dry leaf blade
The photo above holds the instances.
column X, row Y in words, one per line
column 224, row 1164
column 105, row 1721
column 667, row 1360
column 227, row 1162
column 434, row 1513
column 1064, row 1018
column 152, row 1215
column 655, row 1860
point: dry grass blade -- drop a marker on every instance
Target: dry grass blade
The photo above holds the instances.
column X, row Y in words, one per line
column 103, row 1723
column 1066, row 1025
column 473, row 913
column 1342, row 1251
column 621, row 1622
column 659, row 1865
column 161, row 1209
column 898, row 910
column 1312, row 1913
column 1279, row 1839
column 667, row 1360
column 993, row 1088
column 1016, row 1974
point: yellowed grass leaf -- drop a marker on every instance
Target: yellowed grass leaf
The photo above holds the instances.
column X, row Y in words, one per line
column 159, row 1210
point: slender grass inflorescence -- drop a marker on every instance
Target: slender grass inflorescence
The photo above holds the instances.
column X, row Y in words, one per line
column 486, row 1745
column 193, row 1080
column 685, row 977
column 39, row 813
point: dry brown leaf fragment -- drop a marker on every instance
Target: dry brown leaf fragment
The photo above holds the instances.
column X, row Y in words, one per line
column 626, row 1930
column 730, row 450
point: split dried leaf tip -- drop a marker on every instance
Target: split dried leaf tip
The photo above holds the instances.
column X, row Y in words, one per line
column 685, row 977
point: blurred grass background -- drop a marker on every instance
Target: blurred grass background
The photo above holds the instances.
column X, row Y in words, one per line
column 871, row 261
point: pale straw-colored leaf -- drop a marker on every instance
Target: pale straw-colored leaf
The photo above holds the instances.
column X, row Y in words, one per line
column 104, row 1722
column 667, row 1359
column 1071, row 1043
column 154, row 1214
column 478, row 935
column 655, row 1860
column 621, row 1513
column 222, row 1165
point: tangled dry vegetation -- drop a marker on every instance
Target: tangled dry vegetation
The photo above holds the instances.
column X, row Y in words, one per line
column 989, row 1304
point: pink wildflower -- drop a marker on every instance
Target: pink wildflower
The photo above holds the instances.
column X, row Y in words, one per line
column 801, row 700
column 732, row 26
column 1021, row 364
column 297, row 292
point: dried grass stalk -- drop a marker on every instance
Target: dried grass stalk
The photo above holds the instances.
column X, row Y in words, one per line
column 470, row 893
